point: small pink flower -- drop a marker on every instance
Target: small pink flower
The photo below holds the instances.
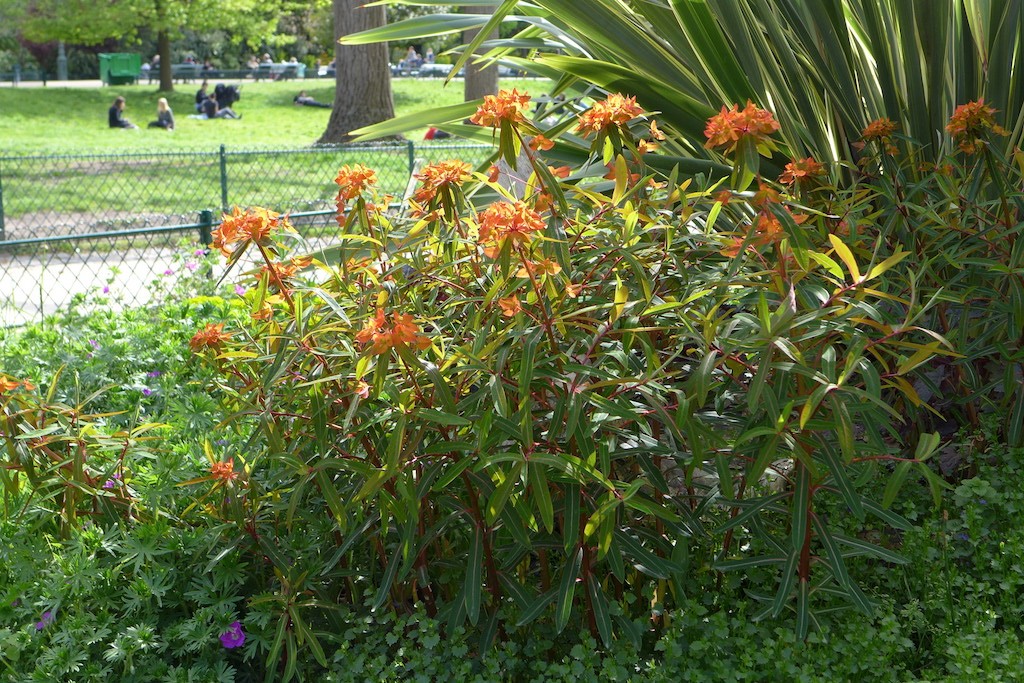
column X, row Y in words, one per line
column 191, row 265
column 106, row 290
column 239, row 290
column 168, row 272
column 233, row 637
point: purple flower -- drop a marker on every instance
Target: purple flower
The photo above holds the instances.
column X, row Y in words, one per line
column 47, row 618
column 191, row 265
column 239, row 290
column 147, row 391
column 168, row 272
column 153, row 373
column 233, row 637
column 983, row 501
column 222, row 442
column 963, row 536
column 200, row 252
column 95, row 344
column 106, row 290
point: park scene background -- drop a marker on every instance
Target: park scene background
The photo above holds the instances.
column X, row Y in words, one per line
column 689, row 350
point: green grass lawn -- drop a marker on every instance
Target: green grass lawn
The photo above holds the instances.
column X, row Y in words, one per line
column 56, row 120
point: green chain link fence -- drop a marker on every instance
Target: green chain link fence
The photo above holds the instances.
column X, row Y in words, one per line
column 76, row 224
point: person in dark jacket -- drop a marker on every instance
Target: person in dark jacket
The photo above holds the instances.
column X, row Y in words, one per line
column 201, row 96
column 115, row 115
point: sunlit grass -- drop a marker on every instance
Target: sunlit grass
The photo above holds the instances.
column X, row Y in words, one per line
column 59, row 120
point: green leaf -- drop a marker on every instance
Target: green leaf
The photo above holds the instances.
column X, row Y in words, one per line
column 473, row 581
column 566, row 590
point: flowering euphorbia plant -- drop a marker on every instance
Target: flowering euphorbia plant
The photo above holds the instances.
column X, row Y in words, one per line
column 538, row 395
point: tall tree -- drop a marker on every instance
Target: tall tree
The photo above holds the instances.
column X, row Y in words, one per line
column 362, row 91
column 480, row 79
column 86, row 22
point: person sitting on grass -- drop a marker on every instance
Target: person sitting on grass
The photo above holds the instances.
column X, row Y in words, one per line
column 304, row 100
column 164, row 115
column 201, row 96
column 115, row 115
column 212, row 111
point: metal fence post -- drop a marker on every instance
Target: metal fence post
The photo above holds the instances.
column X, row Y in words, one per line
column 223, row 179
column 206, row 227
column 3, row 235
column 410, row 148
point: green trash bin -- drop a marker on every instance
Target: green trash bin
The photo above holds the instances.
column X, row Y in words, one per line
column 119, row 68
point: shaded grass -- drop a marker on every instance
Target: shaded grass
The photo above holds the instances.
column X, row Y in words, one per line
column 56, row 120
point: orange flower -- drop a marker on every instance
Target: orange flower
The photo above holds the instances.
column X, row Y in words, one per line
column 732, row 249
column 617, row 110
column 560, row 172
column 514, row 221
column 969, row 123
column 434, row 178
column 728, row 127
column 572, row 291
column 210, row 337
column 403, row 332
column 10, row 384
column 362, row 389
column 510, row 306
column 493, row 173
column 239, row 227
column 879, row 129
column 765, row 195
column 543, row 267
column 539, row 142
column 724, row 196
column 656, row 133
column 284, row 270
column 224, row 471
column 505, row 106
column 354, row 180
column 801, row 170
column 768, row 228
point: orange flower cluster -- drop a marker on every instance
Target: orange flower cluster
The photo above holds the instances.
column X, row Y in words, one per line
column 540, row 143
column 801, row 171
column 767, row 230
column 510, row 306
column 615, row 110
column 881, row 130
column 435, row 177
column 403, row 332
column 969, row 123
column 210, row 337
column 284, row 270
column 353, row 180
column 728, row 127
column 10, row 384
column 505, row 106
column 224, row 471
column 241, row 227
column 514, row 221
column 544, row 266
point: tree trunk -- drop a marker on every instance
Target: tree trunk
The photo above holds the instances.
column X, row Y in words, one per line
column 163, row 48
column 479, row 81
column 362, row 91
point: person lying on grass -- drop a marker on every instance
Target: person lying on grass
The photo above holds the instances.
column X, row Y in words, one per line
column 304, row 100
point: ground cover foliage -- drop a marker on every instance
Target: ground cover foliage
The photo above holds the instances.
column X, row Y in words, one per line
column 604, row 421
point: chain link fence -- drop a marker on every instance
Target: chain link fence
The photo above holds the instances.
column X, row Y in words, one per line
column 124, row 225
